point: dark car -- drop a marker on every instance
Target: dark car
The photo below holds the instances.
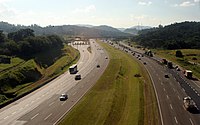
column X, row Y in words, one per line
column 63, row 97
column 166, row 76
column 98, row 66
column 78, row 77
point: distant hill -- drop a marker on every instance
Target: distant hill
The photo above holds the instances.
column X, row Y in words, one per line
column 106, row 28
column 185, row 35
column 135, row 29
column 72, row 30
column 140, row 27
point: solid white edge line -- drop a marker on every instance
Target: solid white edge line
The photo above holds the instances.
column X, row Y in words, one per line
column 161, row 117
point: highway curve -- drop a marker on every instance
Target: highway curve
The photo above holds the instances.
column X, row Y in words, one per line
column 43, row 105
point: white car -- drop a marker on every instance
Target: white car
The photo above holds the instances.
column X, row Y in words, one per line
column 63, row 97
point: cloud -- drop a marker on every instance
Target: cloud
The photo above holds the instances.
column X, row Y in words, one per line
column 187, row 4
column 196, row 1
column 144, row 3
column 88, row 9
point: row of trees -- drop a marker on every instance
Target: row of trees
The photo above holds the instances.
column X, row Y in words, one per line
column 25, row 43
column 184, row 35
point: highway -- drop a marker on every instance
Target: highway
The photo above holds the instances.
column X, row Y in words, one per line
column 169, row 91
column 43, row 105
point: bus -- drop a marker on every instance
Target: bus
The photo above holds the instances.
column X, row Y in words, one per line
column 73, row 69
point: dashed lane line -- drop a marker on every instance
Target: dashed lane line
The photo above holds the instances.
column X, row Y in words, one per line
column 34, row 116
column 48, row 116
column 171, row 107
column 176, row 120
column 191, row 122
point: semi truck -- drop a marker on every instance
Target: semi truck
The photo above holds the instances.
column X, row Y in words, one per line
column 73, row 69
column 188, row 74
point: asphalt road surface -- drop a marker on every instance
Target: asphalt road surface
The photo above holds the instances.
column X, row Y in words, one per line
column 43, row 105
column 170, row 91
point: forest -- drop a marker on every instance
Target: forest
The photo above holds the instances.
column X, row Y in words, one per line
column 185, row 35
column 24, row 43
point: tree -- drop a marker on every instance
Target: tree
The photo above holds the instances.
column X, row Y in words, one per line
column 21, row 34
column 179, row 53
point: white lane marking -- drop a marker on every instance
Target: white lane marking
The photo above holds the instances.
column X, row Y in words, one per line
column 32, row 102
column 167, row 96
column 164, row 89
column 51, row 103
column 74, row 93
column 63, row 103
column 48, row 116
column 176, row 120
column 183, row 89
column 6, row 117
column 161, row 83
column 26, row 105
column 179, row 98
column 34, row 116
column 171, row 107
column 174, row 90
column 13, row 113
column 191, row 122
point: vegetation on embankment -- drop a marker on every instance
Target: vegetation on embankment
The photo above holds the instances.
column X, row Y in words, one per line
column 29, row 75
column 189, row 61
column 28, row 62
column 118, row 97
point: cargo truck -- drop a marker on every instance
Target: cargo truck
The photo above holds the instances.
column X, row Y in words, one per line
column 188, row 74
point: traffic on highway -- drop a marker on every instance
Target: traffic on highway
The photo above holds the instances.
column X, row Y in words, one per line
column 178, row 97
column 48, row 104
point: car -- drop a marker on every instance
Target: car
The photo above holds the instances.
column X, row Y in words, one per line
column 98, row 66
column 78, row 77
column 106, row 57
column 177, row 69
column 63, row 97
column 166, row 76
column 144, row 63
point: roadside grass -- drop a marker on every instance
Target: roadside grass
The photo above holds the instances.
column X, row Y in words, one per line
column 118, row 98
column 186, row 62
column 14, row 61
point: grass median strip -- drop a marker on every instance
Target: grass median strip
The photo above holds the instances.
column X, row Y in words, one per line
column 116, row 99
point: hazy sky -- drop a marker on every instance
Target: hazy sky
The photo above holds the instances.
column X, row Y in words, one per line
column 116, row 13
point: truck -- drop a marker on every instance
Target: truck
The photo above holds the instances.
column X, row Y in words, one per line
column 169, row 65
column 164, row 61
column 188, row 74
column 73, row 69
column 189, row 104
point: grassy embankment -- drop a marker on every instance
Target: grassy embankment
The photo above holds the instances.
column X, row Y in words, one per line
column 25, row 76
column 118, row 98
column 190, row 56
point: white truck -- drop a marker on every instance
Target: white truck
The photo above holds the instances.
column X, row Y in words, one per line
column 188, row 74
column 73, row 69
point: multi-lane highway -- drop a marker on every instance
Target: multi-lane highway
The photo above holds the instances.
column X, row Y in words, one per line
column 170, row 91
column 43, row 105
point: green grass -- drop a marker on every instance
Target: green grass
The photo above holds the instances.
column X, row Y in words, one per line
column 189, row 54
column 117, row 98
column 14, row 62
